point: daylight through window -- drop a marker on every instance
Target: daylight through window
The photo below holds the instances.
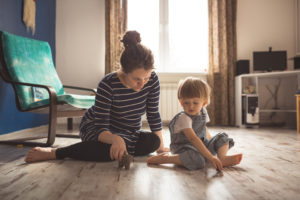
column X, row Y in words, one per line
column 175, row 30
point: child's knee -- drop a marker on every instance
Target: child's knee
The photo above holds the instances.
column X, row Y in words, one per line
column 198, row 163
column 193, row 160
column 222, row 139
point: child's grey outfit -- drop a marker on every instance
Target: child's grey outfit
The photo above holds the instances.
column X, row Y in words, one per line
column 191, row 158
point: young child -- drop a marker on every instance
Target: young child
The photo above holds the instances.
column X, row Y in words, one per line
column 191, row 144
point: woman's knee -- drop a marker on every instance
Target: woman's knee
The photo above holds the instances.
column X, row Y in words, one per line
column 153, row 142
column 147, row 143
column 156, row 143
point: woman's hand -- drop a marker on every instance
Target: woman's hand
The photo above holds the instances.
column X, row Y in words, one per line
column 118, row 148
column 217, row 164
column 162, row 147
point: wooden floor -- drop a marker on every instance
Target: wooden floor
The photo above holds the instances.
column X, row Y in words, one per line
column 270, row 169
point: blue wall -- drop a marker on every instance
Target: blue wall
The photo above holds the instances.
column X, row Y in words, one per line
column 11, row 12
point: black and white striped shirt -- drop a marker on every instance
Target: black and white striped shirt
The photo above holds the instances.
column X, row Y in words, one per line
column 120, row 109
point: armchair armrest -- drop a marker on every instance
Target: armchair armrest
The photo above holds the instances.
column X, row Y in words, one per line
column 80, row 88
column 51, row 91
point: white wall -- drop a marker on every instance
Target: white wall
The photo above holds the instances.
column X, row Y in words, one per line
column 80, row 41
column 262, row 24
column 265, row 23
column 80, row 35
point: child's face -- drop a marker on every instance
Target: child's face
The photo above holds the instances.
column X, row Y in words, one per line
column 192, row 106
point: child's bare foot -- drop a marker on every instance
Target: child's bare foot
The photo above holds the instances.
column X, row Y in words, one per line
column 228, row 161
column 158, row 159
column 39, row 154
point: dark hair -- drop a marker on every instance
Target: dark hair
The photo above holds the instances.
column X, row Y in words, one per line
column 135, row 55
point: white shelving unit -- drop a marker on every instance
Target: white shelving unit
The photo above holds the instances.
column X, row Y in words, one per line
column 275, row 90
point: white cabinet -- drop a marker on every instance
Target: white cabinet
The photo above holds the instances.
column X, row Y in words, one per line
column 276, row 96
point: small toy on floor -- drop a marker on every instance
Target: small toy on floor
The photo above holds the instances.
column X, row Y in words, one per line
column 126, row 160
column 219, row 173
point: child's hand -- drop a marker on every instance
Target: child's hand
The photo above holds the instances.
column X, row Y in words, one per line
column 217, row 164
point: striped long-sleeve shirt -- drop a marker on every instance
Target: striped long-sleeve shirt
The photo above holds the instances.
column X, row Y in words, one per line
column 120, row 109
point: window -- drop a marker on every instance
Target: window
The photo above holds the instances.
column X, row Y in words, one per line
column 175, row 30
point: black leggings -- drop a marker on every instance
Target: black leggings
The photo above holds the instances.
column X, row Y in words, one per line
column 99, row 151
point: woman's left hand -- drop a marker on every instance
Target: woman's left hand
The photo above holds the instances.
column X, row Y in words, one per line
column 162, row 147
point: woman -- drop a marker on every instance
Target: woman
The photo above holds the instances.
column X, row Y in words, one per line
column 111, row 128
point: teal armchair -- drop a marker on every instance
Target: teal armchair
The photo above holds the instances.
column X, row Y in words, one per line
column 27, row 64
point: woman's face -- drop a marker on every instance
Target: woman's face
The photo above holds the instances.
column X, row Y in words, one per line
column 138, row 78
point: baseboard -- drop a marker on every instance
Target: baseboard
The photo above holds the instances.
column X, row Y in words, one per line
column 62, row 121
column 39, row 131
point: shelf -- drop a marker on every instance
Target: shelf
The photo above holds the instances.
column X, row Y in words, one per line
column 272, row 74
column 274, row 89
column 244, row 94
column 277, row 110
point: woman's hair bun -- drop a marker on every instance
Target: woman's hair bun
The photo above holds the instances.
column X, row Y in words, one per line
column 131, row 38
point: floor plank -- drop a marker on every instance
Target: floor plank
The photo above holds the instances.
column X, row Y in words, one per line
column 270, row 169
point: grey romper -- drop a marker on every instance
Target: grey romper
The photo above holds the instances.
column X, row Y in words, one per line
column 191, row 158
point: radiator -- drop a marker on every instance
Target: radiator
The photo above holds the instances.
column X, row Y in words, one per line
column 168, row 105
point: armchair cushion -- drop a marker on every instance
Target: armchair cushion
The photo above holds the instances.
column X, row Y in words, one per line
column 78, row 101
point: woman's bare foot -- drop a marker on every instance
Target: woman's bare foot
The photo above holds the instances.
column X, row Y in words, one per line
column 39, row 154
column 228, row 161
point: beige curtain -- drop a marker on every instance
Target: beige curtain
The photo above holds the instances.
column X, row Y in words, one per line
column 115, row 27
column 222, row 58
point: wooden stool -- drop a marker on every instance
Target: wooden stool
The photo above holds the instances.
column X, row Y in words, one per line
column 298, row 112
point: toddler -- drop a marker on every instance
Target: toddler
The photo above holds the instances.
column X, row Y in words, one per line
column 191, row 144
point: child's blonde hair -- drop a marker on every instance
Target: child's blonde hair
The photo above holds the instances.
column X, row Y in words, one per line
column 193, row 87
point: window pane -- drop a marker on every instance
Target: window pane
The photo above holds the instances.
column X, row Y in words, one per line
column 188, row 28
column 143, row 16
column 183, row 34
